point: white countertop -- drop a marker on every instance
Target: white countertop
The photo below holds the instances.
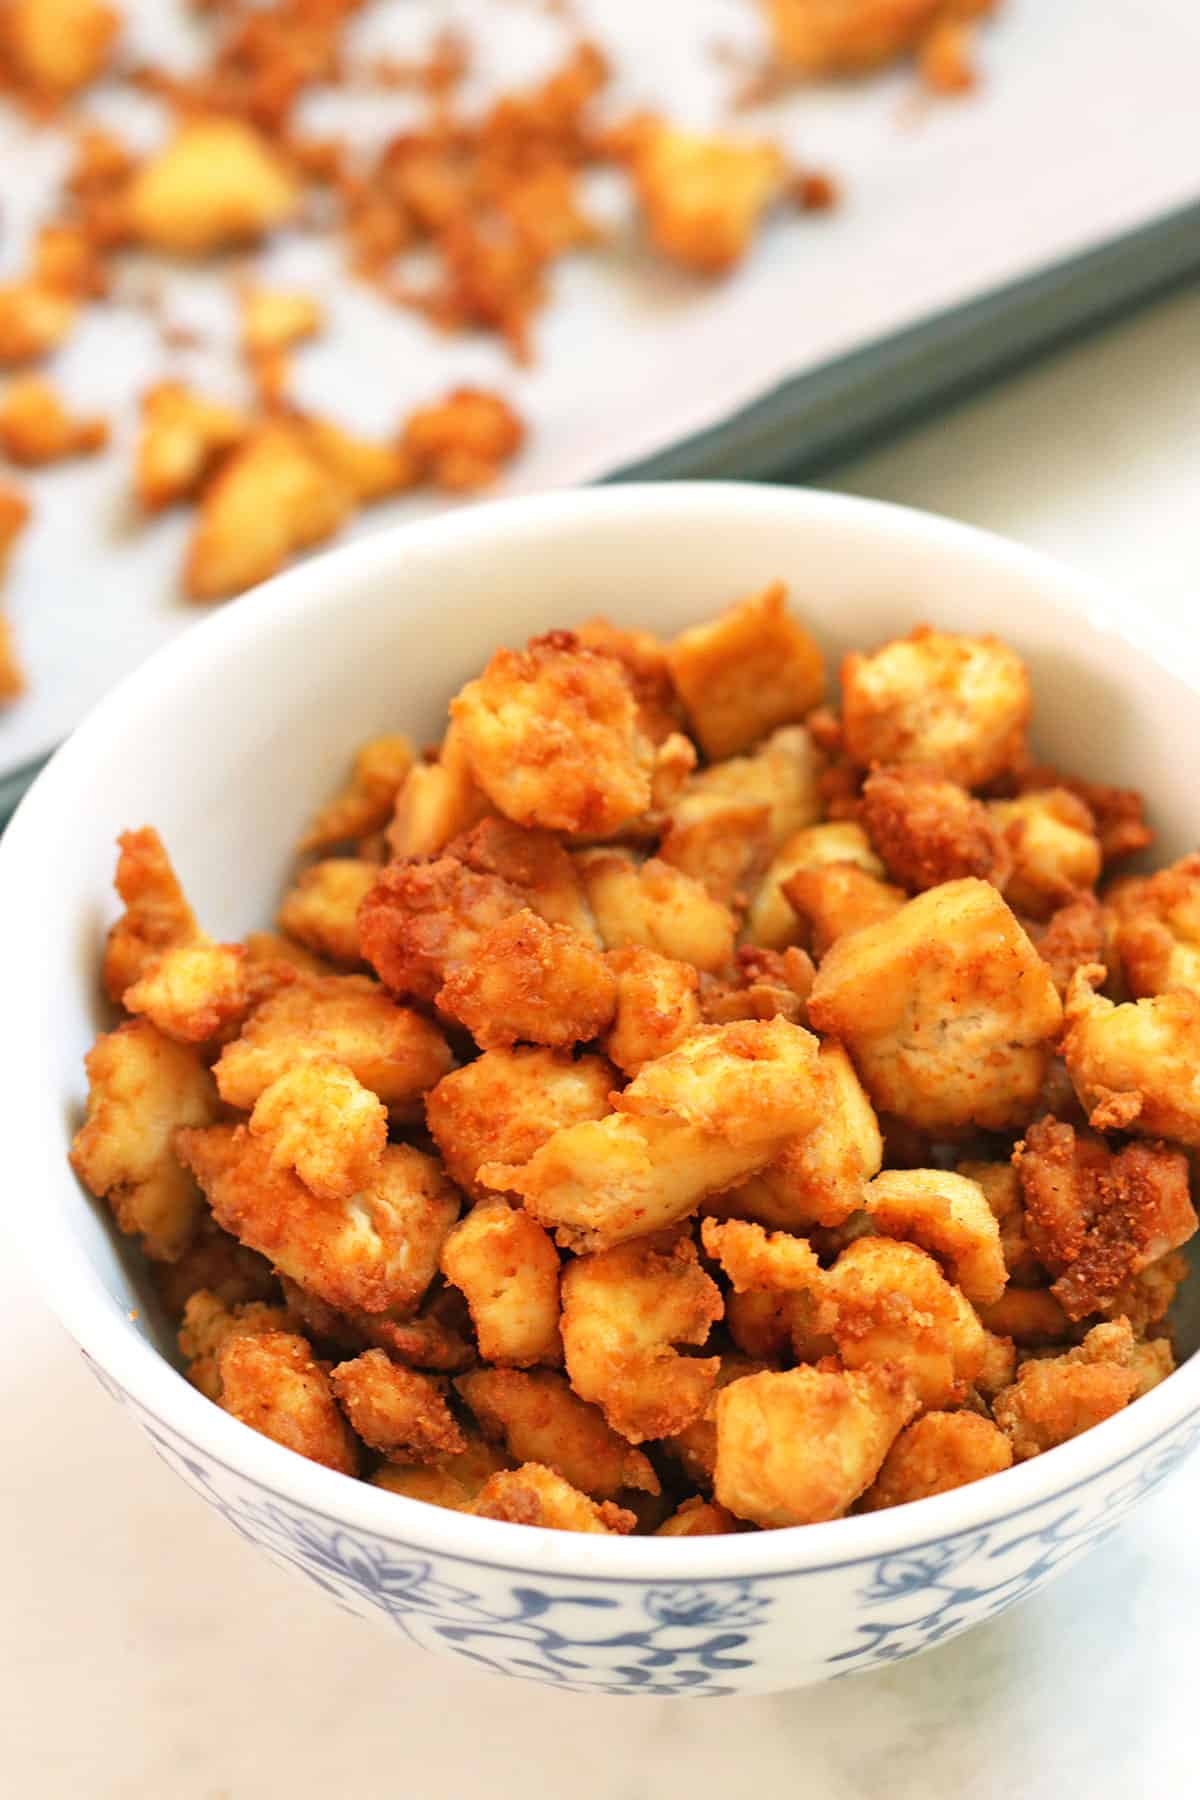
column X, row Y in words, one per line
column 147, row 1654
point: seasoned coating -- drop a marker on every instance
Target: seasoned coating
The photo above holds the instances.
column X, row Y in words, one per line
column 1135, row 1067
column 321, row 910
column 271, row 957
column 181, row 438
column 462, row 441
column 196, row 993
column 401, row 1414
column 436, row 802
column 695, row 1447
column 318, row 1120
column 657, row 906
column 956, row 705
column 539, row 1419
column 367, row 800
column 271, row 499
column 1158, row 932
column 552, row 737
column 528, row 980
column 832, row 900
column 208, row 1321
column 507, row 1103
column 36, row 428
column 798, row 1447
column 1118, row 813
column 946, row 1008
column 141, row 1088
column 657, row 1006
column 215, row 185
column 157, row 916
column 948, row 1215
column 771, row 920
column 762, row 984
column 1055, row 1398
column 424, row 919
column 937, row 1452
column 217, row 1262
column 702, row 196
column 1030, row 1316
column 690, row 1124
column 535, row 864
column 799, row 1322
column 506, row 1266
column 929, row 830
column 1055, row 852
column 392, row 1050
column 728, row 822
column 698, row 1517
column 434, row 1338
column 895, row 1306
column 535, row 1495
column 1096, row 1217
column 749, row 670
column 272, row 1382
column 819, row 1177
column 1001, row 1188
column 453, row 1481
column 647, row 669
column 374, row 1252
column 53, row 48
column 624, row 1310
column 1075, row 934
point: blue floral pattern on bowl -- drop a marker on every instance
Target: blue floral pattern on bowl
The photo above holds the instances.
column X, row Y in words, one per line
column 700, row 1639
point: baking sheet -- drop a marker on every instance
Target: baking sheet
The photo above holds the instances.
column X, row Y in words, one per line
column 1082, row 132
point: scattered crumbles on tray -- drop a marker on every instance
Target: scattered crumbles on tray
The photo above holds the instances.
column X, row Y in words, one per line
column 625, row 1128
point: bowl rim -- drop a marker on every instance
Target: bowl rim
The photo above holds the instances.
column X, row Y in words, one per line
column 74, row 1290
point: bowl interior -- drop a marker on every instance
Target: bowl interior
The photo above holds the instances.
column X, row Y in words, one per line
column 228, row 739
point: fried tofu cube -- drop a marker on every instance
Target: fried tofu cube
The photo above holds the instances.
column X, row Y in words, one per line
column 783, row 1271
column 506, row 1266
column 272, row 1382
column 1158, row 932
column 197, row 993
column 463, row 441
column 624, row 1311
column 1055, row 1398
column 1030, row 1316
column 217, row 184
column 830, row 901
column 320, row 1122
column 689, row 1124
column 425, row 918
column 820, row 1176
column 156, row 918
column 938, row 1452
column 321, row 911
column 397, row 1411
column 771, row 921
column 1055, row 852
column 946, row 1008
column 535, row 1495
column 436, row 802
column 658, row 1006
column 895, row 1306
column 539, row 1419
column 552, row 737
column 375, row 1252
column 948, row 1215
column 695, row 1447
column 929, row 830
column 366, row 803
column 798, row 1447
column 533, row 981
column 36, row 428
column 507, row 1103
column 348, row 1018
column 142, row 1088
column 453, row 1481
column 536, row 865
column 208, row 1322
column 181, row 438
column 647, row 669
column 56, row 47
column 752, row 669
column 1095, row 1217
column 1135, row 1067
column 270, row 500
column 702, row 196
column 656, row 906
column 955, row 705
column 1001, row 1189
column 33, row 321
column 698, row 1517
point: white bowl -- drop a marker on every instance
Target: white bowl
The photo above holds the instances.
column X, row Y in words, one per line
column 227, row 739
